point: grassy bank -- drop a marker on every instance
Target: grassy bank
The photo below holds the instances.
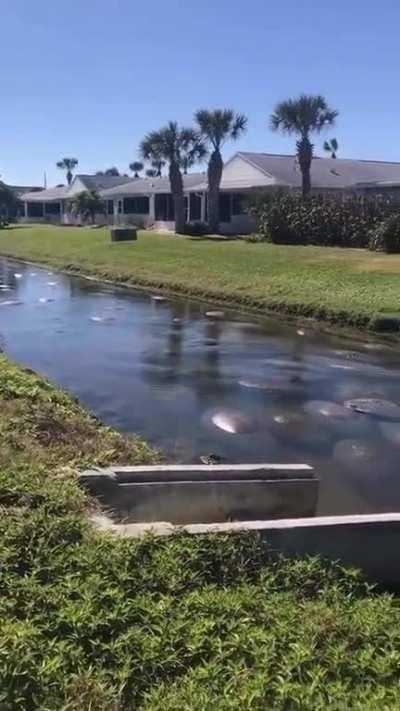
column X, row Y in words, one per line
column 92, row 622
column 348, row 286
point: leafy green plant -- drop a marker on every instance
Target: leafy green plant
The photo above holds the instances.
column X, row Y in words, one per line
column 386, row 236
column 93, row 621
column 87, row 205
column 284, row 218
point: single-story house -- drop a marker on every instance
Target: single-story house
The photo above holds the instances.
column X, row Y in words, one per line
column 53, row 204
column 148, row 201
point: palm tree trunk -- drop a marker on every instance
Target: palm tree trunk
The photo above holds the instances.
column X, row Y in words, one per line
column 215, row 167
column 69, row 177
column 305, row 155
column 175, row 178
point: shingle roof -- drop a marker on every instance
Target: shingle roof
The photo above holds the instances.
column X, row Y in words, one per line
column 46, row 195
column 102, row 182
column 144, row 186
column 325, row 172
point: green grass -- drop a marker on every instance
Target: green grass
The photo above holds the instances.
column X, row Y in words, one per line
column 92, row 622
column 349, row 286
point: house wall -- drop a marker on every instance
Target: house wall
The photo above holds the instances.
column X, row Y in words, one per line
column 240, row 171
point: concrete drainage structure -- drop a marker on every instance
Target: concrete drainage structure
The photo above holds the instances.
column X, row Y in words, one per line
column 165, row 500
column 189, row 494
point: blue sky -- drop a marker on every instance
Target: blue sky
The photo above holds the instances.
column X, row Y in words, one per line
column 89, row 78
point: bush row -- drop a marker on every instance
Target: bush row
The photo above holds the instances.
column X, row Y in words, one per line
column 356, row 221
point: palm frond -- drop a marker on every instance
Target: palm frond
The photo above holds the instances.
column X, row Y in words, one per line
column 219, row 125
column 304, row 115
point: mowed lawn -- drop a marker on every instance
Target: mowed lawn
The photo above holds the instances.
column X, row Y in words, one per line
column 349, row 285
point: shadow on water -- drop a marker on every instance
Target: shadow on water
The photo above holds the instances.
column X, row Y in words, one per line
column 248, row 391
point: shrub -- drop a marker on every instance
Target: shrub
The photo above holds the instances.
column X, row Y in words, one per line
column 196, row 229
column 386, row 236
column 286, row 218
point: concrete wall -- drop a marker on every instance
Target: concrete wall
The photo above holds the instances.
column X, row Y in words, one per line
column 185, row 494
column 370, row 543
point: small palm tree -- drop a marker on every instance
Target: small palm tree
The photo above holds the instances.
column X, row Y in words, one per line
column 112, row 171
column 217, row 127
column 158, row 165
column 68, row 164
column 302, row 117
column 136, row 167
column 331, row 147
column 174, row 145
column 88, row 204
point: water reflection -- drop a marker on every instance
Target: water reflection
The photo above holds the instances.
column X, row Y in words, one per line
column 200, row 385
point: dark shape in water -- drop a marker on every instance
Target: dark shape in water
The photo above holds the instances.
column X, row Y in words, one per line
column 391, row 432
column 296, row 427
column 233, row 422
column 272, row 384
column 385, row 409
column 324, row 408
column 356, row 451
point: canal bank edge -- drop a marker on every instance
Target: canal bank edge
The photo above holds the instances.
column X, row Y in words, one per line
column 344, row 324
column 91, row 620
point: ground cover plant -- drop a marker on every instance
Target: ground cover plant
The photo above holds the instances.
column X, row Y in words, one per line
column 89, row 621
column 351, row 286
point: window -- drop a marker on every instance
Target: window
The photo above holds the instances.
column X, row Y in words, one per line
column 238, row 204
column 195, row 206
column 136, row 206
column 52, row 208
column 110, row 207
column 225, row 207
column 164, row 207
column 35, row 209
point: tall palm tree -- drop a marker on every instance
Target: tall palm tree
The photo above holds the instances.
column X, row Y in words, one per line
column 68, row 164
column 331, row 147
column 136, row 167
column 302, row 117
column 173, row 145
column 217, row 127
column 158, row 165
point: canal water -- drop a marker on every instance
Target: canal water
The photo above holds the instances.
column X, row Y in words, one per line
column 195, row 384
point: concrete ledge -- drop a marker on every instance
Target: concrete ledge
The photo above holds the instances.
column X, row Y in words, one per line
column 368, row 542
column 186, row 494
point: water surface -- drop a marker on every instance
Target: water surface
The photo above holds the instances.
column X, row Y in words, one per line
column 192, row 384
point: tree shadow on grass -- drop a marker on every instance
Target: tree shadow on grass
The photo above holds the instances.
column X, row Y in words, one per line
column 215, row 238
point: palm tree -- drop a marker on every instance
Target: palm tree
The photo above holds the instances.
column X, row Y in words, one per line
column 158, row 165
column 136, row 167
column 331, row 147
column 187, row 162
column 302, row 117
column 217, row 127
column 68, row 164
column 173, row 145
column 87, row 204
